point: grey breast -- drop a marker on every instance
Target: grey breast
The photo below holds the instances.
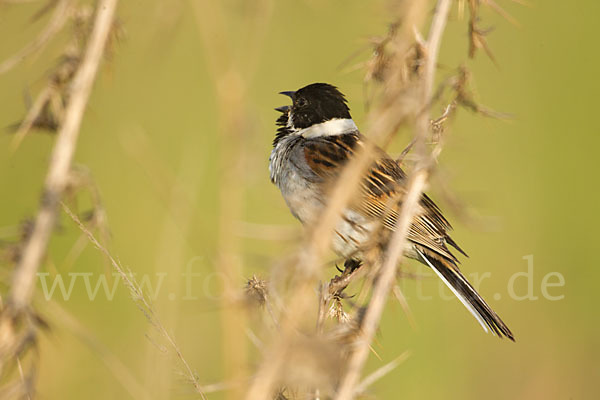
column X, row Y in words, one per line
column 295, row 179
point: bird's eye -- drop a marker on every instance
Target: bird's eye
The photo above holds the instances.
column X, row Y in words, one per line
column 301, row 102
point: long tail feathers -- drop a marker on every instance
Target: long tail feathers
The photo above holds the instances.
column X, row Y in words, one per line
column 459, row 285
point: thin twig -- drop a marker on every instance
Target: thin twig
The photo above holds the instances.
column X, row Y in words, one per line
column 339, row 283
column 381, row 372
column 405, row 152
column 24, row 379
column 33, row 113
column 409, row 207
column 140, row 299
column 405, row 307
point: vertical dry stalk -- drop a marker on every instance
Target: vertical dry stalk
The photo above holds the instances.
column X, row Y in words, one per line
column 232, row 155
column 231, row 91
column 229, row 95
column 62, row 155
column 409, row 208
column 171, row 251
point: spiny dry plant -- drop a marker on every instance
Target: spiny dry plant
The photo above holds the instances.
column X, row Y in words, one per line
column 59, row 107
column 400, row 80
column 313, row 337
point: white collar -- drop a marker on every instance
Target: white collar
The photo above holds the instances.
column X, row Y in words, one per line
column 333, row 127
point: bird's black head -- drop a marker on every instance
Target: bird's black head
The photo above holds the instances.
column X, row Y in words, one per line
column 315, row 103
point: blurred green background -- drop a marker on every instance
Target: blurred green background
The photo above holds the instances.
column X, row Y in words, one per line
column 150, row 139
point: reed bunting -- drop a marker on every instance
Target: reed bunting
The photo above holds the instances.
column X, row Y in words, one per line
column 315, row 139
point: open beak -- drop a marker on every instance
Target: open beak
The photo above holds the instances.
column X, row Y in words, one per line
column 291, row 95
column 283, row 109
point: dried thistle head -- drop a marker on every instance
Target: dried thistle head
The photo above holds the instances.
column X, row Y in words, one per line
column 389, row 58
column 336, row 311
column 346, row 334
column 280, row 395
column 256, row 290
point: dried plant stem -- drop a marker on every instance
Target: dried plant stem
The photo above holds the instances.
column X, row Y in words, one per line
column 232, row 88
column 382, row 288
column 32, row 114
column 381, row 372
column 141, row 300
column 171, row 251
column 415, row 189
column 62, row 155
column 438, row 24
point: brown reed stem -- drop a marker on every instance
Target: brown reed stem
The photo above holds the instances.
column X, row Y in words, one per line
column 232, row 83
column 60, row 162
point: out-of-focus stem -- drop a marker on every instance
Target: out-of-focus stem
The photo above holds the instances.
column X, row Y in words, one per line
column 62, row 155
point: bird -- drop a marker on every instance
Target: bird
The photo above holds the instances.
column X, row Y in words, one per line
column 315, row 138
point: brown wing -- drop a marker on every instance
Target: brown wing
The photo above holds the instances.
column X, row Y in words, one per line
column 327, row 154
column 383, row 190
